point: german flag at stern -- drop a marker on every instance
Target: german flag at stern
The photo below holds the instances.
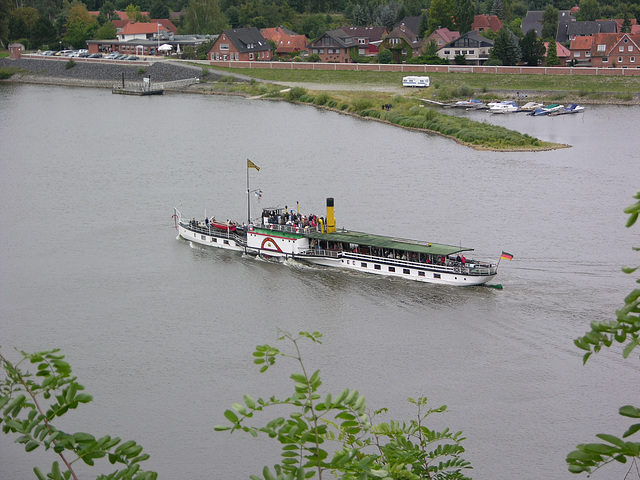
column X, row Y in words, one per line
column 506, row 256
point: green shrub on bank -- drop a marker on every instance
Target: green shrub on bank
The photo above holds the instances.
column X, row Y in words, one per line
column 295, row 93
column 7, row 72
column 70, row 64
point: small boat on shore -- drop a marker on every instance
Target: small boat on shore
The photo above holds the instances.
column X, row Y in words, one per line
column 569, row 110
column 531, row 106
column 285, row 234
column 507, row 106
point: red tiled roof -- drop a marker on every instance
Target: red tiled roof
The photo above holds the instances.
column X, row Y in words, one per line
column 610, row 40
column 285, row 42
column 447, row 35
column 581, row 43
column 491, row 22
column 134, row 28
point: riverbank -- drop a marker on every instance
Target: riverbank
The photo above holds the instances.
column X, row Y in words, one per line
column 406, row 108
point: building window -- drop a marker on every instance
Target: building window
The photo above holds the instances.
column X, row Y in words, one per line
column 421, row 274
column 376, row 267
column 363, row 264
column 404, row 51
column 601, row 48
column 406, row 271
column 226, row 242
column 322, row 51
column 214, row 240
column 362, row 41
column 621, row 48
column 587, row 54
column 619, row 59
column 605, row 59
column 202, row 237
column 630, row 48
column 436, row 275
column 251, row 56
column 632, row 59
column 576, row 55
column 224, row 46
column 392, row 269
column 447, row 52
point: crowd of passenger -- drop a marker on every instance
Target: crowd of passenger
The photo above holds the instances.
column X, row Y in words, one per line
column 291, row 218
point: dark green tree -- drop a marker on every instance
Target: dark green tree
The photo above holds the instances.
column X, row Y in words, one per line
column 626, row 24
column 465, row 12
column 552, row 55
column 424, row 25
column 233, row 16
column 589, row 10
column 43, row 33
column 532, row 49
column 106, row 32
column 550, row 23
column 505, row 48
column 158, row 9
column 385, row 56
column 412, row 8
column 204, row 16
column 624, row 330
column 4, row 22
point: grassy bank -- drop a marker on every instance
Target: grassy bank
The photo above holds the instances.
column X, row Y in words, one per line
column 578, row 86
column 405, row 111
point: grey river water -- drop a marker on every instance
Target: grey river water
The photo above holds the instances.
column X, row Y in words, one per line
column 161, row 332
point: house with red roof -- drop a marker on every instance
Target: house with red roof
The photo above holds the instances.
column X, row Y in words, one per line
column 442, row 36
column 620, row 50
column 483, row 23
column 287, row 42
column 122, row 14
column 240, row 44
column 581, row 51
column 368, row 38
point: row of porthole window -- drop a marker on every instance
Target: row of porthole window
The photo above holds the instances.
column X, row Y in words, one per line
column 213, row 239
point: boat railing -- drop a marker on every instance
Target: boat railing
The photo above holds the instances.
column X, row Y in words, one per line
column 476, row 268
column 289, row 228
column 199, row 227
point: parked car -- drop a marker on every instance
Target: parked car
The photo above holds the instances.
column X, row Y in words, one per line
column 112, row 55
column 48, row 53
column 132, row 57
column 64, row 53
column 95, row 55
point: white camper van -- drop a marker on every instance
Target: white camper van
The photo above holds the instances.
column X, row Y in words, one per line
column 414, row 81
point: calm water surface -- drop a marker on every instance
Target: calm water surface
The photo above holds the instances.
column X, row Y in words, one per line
column 161, row 332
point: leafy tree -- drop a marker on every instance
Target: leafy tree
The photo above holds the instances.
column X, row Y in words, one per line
column 30, row 403
column 624, row 329
column 233, row 16
column 204, row 16
column 424, row 25
column 43, row 33
column 413, row 8
column 203, row 49
column 505, row 48
column 106, row 32
column 4, row 22
column 441, row 14
column 402, row 450
column 134, row 13
column 385, row 56
column 552, row 55
column 589, row 10
column 626, row 24
column 550, row 23
column 465, row 13
column 81, row 26
column 532, row 49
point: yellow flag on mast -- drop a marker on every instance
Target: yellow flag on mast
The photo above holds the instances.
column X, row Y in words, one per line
column 250, row 164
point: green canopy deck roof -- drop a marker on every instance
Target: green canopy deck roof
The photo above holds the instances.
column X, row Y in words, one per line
column 390, row 243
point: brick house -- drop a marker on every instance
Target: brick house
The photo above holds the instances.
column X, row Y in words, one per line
column 442, row 36
column 581, row 51
column 402, row 43
column 620, row 50
column 564, row 54
column 241, row 44
column 484, row 23
column 368, row 38
column 335, row 46
column 287, row 42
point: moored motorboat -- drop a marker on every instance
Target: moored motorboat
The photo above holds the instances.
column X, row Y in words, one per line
column 539, row 112
column 531, row 106
column 283, row 233
column 503, row 107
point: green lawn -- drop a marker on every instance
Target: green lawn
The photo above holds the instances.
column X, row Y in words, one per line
column 477, row 81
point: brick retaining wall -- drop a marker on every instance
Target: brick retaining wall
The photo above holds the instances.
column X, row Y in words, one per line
column 376, row 67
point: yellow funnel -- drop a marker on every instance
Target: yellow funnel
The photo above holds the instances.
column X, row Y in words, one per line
column 331, row 220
